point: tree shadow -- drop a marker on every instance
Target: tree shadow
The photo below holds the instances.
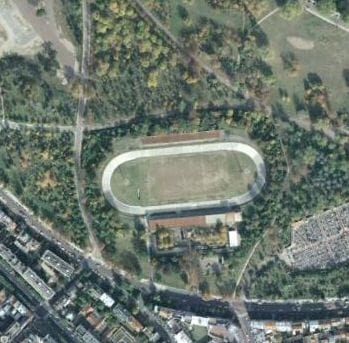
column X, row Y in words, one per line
column 346, row 76
column 289, row 60
column 283, row 92
column 312, row 80
column 261, row 37
column 279, row 112
column 316, row 112
column 264, row 68
column 299, row 103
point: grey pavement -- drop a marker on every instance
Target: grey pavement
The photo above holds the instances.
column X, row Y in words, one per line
column 47, row 29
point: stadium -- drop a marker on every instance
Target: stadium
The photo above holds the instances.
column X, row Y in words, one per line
column 186, row 176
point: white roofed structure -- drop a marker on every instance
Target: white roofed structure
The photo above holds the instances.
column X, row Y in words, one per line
column 234, row 238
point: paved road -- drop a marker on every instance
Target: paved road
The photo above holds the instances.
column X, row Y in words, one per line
column 47, row 29
column 257, row 309
column 40, row 227
column 176, row 150
column 297, row 310
column 240, row 310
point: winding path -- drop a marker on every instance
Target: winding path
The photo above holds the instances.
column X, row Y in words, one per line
column 178, row 150
column 14, row 125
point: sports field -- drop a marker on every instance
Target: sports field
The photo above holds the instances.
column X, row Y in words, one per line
column 182, row 178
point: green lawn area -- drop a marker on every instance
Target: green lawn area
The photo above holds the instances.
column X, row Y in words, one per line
column 200, row 8
column 234, row 17
column 124, row 243
column 198, row 333
column 182, row 178
column 326, row 57
column 172, row 279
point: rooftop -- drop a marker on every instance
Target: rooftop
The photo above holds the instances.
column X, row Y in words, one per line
column 58, row 264
column 229, row 219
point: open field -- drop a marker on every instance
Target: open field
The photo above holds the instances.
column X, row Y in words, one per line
column 316, row 50
column 200, row 8
column 183, row 177
column 172, row 179
column 235, row 16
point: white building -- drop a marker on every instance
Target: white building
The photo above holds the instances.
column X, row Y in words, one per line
column 107, row 300
column 199, row 321
column 181, row 337
column 234, row 238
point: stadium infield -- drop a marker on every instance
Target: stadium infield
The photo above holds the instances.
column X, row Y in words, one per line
column 190, row 177
column 185, row 177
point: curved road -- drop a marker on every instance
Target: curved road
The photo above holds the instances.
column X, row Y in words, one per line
column 177, row 150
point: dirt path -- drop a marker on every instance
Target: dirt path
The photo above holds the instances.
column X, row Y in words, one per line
column 327, row 20
column 242, row 272
column 260, row 21
column 145, row 12
column 79, row 135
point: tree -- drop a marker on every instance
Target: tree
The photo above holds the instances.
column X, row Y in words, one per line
column 130, row 262
column 290, row 62
column 182, row 12
column 326, row 7
column 291, row 9
column 40, row 12
column 204, row 287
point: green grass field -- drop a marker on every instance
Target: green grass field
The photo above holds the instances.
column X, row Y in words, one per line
column 200, row 8
column 233, row 17
column 327, row 59
column 183, row 178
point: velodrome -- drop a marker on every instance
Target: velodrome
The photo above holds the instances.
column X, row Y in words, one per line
column 137, row 210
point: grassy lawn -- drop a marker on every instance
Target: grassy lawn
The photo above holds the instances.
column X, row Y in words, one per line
column 234, row 17
column 200, row 8
column 124, row 243
column 180, row 178
column 198, row 333
column 172, row 279
column 326, row 57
